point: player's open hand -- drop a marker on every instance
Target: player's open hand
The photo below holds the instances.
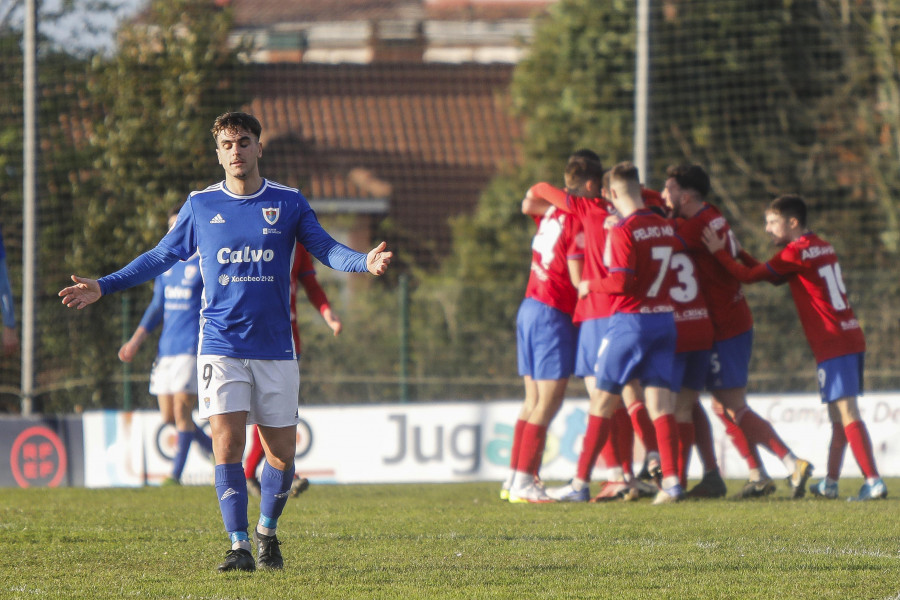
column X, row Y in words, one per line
column 84, row 292
column 713, row 242
column 378, row 259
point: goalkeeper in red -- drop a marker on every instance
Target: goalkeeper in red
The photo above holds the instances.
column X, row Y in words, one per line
column 810, row 266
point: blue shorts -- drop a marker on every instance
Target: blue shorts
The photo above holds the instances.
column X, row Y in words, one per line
column 729, row 365
column 637, row 346
column 589, row 338
column 545, row 341
column 689, row 370
column 841, row 377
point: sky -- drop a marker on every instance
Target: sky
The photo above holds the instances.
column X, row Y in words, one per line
column 89, row 28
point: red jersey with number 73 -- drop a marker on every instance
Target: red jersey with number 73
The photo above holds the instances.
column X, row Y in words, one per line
column 810, row 265
column 642, row 245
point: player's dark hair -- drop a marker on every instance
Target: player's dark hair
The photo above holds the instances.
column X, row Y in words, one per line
column 790, row 206
column 625, row 171
column 690, row 177
column 587, row 153
column 232, row 121
column 580, row 169
column 173, row 212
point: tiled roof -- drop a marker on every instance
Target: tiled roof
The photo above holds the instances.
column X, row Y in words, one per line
column 427, row 137
column 261, row 13
column 484, row 10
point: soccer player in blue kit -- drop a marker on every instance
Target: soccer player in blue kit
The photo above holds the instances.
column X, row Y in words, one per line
column 173, row 380
column 9, row 337
column 245, row 229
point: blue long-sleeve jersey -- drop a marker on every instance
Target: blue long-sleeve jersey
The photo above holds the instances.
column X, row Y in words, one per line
column 6, row 297
column 246, row 246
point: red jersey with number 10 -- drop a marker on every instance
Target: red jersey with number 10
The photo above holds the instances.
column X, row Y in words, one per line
column 725, row 300
column 811, row 267
column 642, row 245
column 558, row 239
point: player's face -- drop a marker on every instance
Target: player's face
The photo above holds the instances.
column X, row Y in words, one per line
column 672, row 195
column 779, row 228
column 238, row 152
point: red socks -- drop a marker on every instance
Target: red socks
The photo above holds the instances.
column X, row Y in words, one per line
column 685, row 441
column 516, row 443
column 858, row 437
column 531, row 450
column 759, row 431
column 739, row 441
column 703, row 438
column 667, row 440
column 836, row 451
column 643, row 426
column 254, row 456
column 594, row 438
column 623, row 433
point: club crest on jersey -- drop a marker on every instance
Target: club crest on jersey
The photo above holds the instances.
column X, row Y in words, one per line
column 271, row 215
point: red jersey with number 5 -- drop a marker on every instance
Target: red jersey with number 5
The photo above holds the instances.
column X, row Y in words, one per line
column 810, row 265
column 642, row 246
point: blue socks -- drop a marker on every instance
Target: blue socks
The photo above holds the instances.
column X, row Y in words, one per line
column 275, row 487
column 184, row 444
column 231, row 489
column 201, row 438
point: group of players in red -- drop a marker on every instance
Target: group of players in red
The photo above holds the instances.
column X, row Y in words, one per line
column 640, row 294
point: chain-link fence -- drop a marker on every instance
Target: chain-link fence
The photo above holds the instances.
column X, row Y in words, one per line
column 770, row 97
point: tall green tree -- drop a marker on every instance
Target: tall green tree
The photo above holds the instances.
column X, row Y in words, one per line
column 572, row 90
column 172, row 74
column 61, row 106
column 769, row 97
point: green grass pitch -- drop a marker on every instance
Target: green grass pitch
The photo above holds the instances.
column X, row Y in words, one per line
column 451, row 541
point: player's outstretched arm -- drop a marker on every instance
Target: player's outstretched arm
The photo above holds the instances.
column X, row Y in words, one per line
column 712, row 241
column 743, row 273
column 85, row 291
column 378, row 259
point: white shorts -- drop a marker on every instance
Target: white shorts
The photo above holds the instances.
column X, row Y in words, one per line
column 266, row 389
column 174, row 375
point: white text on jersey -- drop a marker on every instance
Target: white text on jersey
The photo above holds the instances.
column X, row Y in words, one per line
column 226, row 255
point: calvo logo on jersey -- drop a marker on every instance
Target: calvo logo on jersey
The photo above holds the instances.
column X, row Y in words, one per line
column 271, row 214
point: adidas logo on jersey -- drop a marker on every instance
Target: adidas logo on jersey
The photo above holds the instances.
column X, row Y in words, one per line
column 217, row 219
